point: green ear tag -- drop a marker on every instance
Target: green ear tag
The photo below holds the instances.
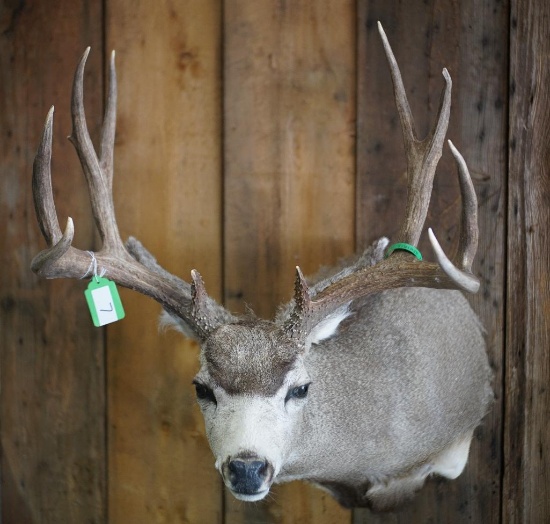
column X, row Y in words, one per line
column 104, row 301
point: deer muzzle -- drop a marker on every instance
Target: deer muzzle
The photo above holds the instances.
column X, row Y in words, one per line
column 248, row 476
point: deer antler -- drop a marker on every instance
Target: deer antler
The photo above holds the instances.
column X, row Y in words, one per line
column 402, row 269
column 139, row 272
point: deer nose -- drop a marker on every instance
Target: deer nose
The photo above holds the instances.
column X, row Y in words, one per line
column 247, row 475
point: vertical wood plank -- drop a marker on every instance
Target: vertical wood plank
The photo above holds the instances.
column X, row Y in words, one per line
column 470, row 39
column 168, row 193
column 289, row 174
column 52, row 370
column 527, row 422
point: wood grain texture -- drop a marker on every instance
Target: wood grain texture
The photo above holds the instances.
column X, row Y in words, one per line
column 289, row 81
column 167, row 193
column 52, row 373
column 470, row 39
column 526, row 496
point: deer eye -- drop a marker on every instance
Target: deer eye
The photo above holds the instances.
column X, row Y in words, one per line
column 297, row 392
column 204, row 392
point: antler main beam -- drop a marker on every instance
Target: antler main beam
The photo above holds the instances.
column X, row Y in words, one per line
column 401, row 269
column 137, row 270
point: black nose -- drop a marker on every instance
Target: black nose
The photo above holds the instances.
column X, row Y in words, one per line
column 247, row 475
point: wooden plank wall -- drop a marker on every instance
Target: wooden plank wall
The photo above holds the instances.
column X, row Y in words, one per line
column 52, row 412
column 169, row 64
column 255, row 135
column 526, row 420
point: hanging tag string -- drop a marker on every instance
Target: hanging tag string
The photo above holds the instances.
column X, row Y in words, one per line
column 93, row 268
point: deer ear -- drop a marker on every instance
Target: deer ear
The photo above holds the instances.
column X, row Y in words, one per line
column 328, row 326
column 167, row 321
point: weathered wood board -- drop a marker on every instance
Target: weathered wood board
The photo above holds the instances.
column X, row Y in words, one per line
column 168, row 191
column 527, row 393
column 52, row 374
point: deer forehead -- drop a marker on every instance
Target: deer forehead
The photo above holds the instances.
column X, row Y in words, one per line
column 249, row 358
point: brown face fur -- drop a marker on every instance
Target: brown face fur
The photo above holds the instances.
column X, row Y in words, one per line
column 251, row 357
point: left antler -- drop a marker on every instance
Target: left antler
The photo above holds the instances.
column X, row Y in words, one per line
column 139, row 270
column 402, row 269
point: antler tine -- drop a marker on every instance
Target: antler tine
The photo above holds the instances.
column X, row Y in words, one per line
column 461, row 270
column 108, row 130
column 403, row 107
column 99, row 183
column 422, row 156
column 298, row 323
column 469, row 232
column 42, row 185
column 461, row 279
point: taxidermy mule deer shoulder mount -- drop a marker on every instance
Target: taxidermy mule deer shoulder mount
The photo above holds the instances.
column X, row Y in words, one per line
column 371, row 379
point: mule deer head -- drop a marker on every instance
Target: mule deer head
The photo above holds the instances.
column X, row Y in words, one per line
column 373, row 377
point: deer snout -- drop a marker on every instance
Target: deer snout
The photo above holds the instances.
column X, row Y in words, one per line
column 249, row 477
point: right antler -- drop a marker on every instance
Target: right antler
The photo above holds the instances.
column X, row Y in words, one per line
column 401, row 269
column 139, row 272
